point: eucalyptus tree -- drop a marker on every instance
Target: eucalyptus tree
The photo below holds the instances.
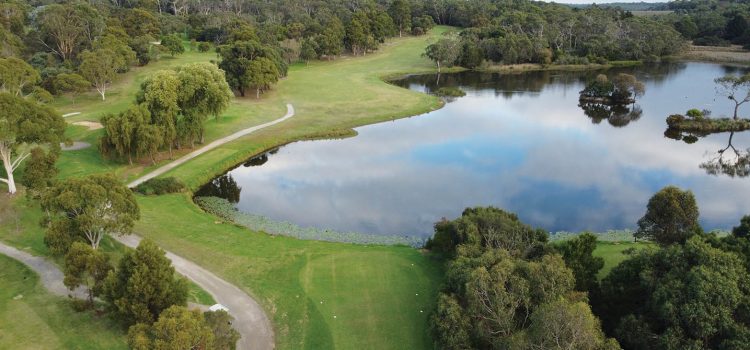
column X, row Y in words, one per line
column 400, row 12
column 734, row 88
column 100, row 68
column 173, row 44
column 87, row 209
column 671, row 217
column 445, row 52
column 88, row 267
column 16, row 75
column 23, row 123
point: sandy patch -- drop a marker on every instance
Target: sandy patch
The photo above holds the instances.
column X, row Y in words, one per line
column 75, row 146
column 90, row 125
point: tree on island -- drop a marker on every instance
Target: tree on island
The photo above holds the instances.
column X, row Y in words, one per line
column 734, row 88
column 622, row 89
column 24, row 123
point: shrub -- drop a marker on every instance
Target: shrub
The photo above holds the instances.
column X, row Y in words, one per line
column 204, row 46
column 694, row 113
column 450, row 92
column 160, row 186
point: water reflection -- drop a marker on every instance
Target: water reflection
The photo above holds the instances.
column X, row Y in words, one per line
column 223, row 186
column 519, row 142
column 734, row 163
column 617, row 115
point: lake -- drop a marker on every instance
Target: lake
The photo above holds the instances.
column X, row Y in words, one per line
column 515, row 141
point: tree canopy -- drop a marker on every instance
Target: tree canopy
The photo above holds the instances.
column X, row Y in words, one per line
column 671, row 217
column 87, row 209
column 22, row 123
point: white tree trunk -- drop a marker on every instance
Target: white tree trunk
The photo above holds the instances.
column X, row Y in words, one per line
column 10, row 165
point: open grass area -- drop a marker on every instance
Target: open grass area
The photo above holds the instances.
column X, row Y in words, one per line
column 319, row 295
column 31, row 318
column 613, row 253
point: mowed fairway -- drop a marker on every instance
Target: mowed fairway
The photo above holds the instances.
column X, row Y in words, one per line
column 613, row 253
column 372, row 290
column 31, row 318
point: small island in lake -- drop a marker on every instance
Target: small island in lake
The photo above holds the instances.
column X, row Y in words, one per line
column 735, row 89
column 621, row 90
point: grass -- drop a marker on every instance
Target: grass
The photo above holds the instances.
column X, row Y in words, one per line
column 19, row 226
column 31, row 318
column 380, row 296
column 613, row 253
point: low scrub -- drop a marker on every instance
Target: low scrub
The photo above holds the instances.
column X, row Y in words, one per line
column 225, row 210
column 160, row 186
column 451, row 91
column 702, row 124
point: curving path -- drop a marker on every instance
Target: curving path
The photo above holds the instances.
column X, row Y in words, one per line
column 249, row 318
column 49, row 274
column 210, row 146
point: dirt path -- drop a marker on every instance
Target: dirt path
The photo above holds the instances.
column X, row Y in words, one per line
column 249, row 318
column 210, row 146
column 49, row 274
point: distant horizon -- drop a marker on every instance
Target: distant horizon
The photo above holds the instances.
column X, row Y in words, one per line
column 589, row 2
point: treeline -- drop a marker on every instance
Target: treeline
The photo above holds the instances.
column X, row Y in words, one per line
column 506, row 287
column 526, row 32
column 711, row 22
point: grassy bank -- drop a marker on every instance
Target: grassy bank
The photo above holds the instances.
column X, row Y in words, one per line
column 613, row 253
column 31, row 318
column 319, row 295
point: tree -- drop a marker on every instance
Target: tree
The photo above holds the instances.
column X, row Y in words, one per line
column 736, row 27
column 671, row 217
column 450, row 324
column 627, row 87
column 357, row 32
column 24, row 123
column 131, row 133
column 159, row 94
column 100, row 68
column 689, row 296
column 743, row 230
column 445, row 52
column 220, row 322
column 177, row 328
column 173, row 43
column 488, row 228
column 400, row 12
column 40, row 171
column 16, row 75
column 567, row 325
column 144, row 285
column 60, row 29
column 92, row 206
column 70, row 83
column 578, row 256
column 85, row 266
column 735, row 88
column 308, row 50
column 203, row 91
column 263, row 73
column 236, row 61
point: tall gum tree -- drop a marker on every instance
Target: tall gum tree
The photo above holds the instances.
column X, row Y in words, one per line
column 23, row 123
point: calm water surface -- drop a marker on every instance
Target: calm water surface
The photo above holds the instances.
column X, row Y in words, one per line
column 518, row 142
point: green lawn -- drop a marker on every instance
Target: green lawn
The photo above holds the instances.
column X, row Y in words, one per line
column 380, row 296
column 613, row 253
column 31, row 318
column 319, row 295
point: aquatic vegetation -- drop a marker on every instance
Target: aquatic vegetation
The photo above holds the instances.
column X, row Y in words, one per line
column 225, row 210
